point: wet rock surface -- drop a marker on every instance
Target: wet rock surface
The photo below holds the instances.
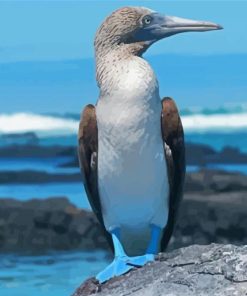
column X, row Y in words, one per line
column 207, row 218
column 210, row 181
column 196, row 154
column 212, row 270
column 37, row 226
column 32, row 150
column 37, row 177
column 204, row 181
column 200, row 155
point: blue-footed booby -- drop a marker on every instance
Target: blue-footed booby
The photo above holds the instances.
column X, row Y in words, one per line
column 131, row 144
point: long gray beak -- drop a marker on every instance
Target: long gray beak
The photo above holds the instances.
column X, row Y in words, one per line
column 162, row 26
column 178, row 25
column 187, row 25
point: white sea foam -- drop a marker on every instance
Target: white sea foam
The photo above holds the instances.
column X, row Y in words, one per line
column 215, row 122
column 44, row 125
column 40, row 124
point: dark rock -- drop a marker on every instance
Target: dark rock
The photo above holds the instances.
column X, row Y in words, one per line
column 196, row 270
column 198, row 154
column 36, row 177
column 202, row 155
column 203, row 181
column 40, row 225
column 215, row 217
column 89, row 287
column 37, row 226
column 230, row 155
column 214, row 209
column 208, row 181
column 37, row 151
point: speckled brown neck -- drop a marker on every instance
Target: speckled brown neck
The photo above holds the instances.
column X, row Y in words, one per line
column 115, row 42
column 108, row 62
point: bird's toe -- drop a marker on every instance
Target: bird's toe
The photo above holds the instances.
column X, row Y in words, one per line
column 118, row 267
column 139, row 261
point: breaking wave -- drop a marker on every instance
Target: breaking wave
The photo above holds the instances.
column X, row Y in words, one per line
column 225, row 123
column 48, row 125
column 229, row 108
column 42, row 125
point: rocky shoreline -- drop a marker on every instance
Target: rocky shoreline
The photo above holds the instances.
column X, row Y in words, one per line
column 200, row 155
column 37, row 177
column 214, row 210
column 37, row 226
column 212, row 270
column 196, row 154
column 204, row 180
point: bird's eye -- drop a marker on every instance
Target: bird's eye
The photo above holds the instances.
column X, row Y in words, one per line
column 147, row 20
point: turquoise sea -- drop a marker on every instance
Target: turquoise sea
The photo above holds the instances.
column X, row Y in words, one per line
column 54, row 274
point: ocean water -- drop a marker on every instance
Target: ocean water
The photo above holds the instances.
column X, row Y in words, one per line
column 73, row 191
column 238, row 168
column 217, row 140
column 46, row 164
column 54, row 274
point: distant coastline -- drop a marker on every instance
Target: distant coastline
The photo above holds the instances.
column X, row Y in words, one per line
column 197, row 155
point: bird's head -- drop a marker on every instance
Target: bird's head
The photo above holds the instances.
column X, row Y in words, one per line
column 136, row 28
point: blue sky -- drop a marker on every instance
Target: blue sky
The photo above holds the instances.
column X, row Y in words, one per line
column 36, row 31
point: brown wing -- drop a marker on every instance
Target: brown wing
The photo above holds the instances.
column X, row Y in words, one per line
column 173, row 137
column 88, row 159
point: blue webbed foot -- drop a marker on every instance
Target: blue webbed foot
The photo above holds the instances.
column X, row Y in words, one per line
column 118, row 267
column 139, row 261
column 122, row 265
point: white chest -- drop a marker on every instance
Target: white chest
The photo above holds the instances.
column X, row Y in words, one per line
column 128, row 115
column 132, row 173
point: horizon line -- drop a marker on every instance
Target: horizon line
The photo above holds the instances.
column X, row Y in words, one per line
column 67, row 59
